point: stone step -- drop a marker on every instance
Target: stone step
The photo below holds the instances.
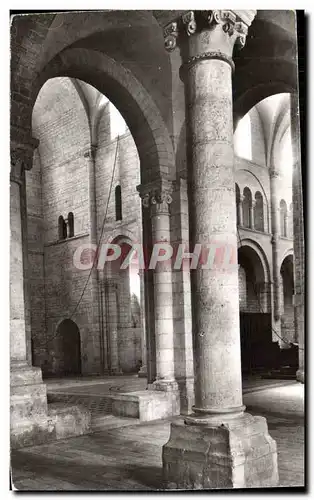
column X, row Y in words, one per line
column 106, row 422
column 145, row 405
column 69, row 420
column 97, row 405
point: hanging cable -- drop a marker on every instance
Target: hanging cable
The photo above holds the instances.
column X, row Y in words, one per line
column 97, row 247
column 260, row 305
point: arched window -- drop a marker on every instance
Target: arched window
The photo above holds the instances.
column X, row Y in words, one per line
column 246, row 206
column 238, row 205
column 71, row 224
column 259, row 212
column 62, row 228
column 283, row 218
column 118, row 201
column 243, row 138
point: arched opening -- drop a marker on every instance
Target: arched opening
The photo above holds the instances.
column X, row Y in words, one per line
column 246, row 207
column 259, row 212
column 71, row 224
column 124, row 316
column 118, row 202
column 283, row 219
column 287, row 306
column 150, row 135
column 257, row 350
column 70, row 344
column 62, row 228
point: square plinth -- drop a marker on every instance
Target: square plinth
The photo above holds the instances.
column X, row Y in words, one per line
column 237, row 454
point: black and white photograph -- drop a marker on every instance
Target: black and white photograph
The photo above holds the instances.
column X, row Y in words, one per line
column 156, row 250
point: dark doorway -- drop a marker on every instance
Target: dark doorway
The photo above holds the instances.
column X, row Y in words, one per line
column 70, row 340
column 258, row 351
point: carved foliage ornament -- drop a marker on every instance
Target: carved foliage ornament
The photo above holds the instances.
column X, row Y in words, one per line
column 158, row 200
column 206, row 19
column 157, row 197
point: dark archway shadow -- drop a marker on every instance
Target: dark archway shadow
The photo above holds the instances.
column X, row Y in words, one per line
column 70, row 340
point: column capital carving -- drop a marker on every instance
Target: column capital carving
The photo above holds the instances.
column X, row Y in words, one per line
column 22, row 146
column 234, row 23
column 274, row 173
column 91, row 152
column 157, row 195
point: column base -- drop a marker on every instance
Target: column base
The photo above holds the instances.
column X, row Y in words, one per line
column 300, row 375
column 142, row 373
column 187, row 398
column 238, row 453
column 164, row 385
column 28, row 407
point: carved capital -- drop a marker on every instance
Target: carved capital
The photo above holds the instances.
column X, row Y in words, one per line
column 274, row 174
column 171, row 33
column 91, row 152
column 21, row 159
column 157, row 196
column 234, row 23
column 22, row 147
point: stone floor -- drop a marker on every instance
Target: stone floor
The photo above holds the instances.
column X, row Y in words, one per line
column 129, row 458
column 101, row 385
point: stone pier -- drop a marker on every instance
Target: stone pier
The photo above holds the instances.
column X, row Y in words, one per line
column 157, row 198
column 28, row 395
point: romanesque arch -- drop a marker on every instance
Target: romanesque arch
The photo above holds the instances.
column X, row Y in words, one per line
column 129, row 97
column 69, row 339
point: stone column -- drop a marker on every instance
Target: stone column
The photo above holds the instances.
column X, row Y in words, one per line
column 219, row 446
column 28, row 395
column 112, row 313
column 251, row 214
column 95, row 323
column 157, row 198
column 275, row 231
column 266, row 218
column 143, row 370
column 264, row 292
column 240, row 210
column 298, row 232
column 285, row 222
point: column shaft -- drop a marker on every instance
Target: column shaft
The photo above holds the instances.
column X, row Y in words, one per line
column 252, row 224
column 240, row 211
column 213, row 220
column 97, row 332
column 275, row 229
column 143, row 369
column 163, row 300
column 112, row 326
